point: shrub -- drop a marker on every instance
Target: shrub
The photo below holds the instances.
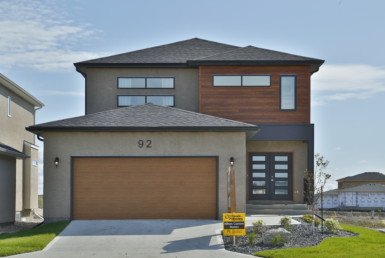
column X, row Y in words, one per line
column 259, row 227
column 285, row 223
column 332, row 226
column 307, row 218
column 277, row 240
column 251, row 237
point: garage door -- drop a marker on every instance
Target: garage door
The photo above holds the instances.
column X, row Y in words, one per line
column 144, row 188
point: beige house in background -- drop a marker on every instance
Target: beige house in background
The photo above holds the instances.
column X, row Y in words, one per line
column 18, row 152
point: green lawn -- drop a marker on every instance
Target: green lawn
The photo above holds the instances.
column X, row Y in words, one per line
column 369, row 243
column 29, row 240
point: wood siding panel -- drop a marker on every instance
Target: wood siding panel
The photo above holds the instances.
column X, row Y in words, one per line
column 144, row 188
column 256, row 105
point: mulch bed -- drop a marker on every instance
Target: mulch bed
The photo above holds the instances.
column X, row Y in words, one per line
column 301, row 236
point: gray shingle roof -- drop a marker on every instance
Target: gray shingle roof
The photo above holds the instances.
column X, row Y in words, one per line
column 251, row 53
column 366, row 176
column 174, row 53
column 197, row 51
column 148, row 117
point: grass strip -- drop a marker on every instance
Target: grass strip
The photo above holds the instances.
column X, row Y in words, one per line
column 369, row 243
column 30, row 240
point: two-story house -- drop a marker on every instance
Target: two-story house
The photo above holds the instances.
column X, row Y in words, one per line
column 18, row 152
column 128, row 158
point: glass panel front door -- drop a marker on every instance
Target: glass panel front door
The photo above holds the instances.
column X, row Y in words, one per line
column 270, row 176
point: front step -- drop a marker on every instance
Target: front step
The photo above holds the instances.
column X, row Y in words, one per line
column 277, row 209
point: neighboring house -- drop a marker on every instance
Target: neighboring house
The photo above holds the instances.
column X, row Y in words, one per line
column 128, row 159
column 368, row 196
column 18, row 153
column 361, row 179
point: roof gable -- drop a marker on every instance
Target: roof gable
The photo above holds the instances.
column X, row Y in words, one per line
column 148, row 117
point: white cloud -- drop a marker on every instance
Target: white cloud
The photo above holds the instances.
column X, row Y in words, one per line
column 338, row 148
column 38, row 34
column 344, row 82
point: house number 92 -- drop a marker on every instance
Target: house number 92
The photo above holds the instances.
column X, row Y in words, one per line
column 144, row 144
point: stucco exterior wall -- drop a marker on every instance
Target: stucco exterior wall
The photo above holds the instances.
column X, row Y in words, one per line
column 57, row 180
column 299, row 150
column 7, row 189
column 13, row 134
column 102, row 86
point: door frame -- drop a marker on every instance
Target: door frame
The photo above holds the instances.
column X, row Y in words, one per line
column 269, row 170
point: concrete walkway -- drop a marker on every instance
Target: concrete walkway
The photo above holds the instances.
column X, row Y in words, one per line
column 142, row 238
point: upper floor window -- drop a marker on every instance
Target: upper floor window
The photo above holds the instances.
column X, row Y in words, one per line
column 144, row 82
column 241, row 80
column 9, row 106
column 288, row 92
column 131, row 100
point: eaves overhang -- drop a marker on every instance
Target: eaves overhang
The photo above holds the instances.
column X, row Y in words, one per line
column 40, row 130
column 11, row 152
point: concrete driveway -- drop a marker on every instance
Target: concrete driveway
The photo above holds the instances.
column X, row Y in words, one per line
column 137, row 238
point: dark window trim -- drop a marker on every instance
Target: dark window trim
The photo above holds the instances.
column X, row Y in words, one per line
column 145, row 98
column 295, row 92
column 145, row 82
column 242, row 75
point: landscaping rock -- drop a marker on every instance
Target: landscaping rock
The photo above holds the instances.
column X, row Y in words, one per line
column 269, row 235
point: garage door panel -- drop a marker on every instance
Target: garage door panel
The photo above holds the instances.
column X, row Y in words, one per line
column 144, row 188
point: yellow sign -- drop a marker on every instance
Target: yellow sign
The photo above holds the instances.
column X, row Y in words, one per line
column 234, row 224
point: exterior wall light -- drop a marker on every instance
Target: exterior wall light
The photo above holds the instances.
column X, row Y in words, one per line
column 56, row 162
column 232, row 161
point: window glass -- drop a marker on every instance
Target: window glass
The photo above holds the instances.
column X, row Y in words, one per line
column 281, row 166
column 281, row 158
column 281, row 175
column 281, row 191
column 259, row 191
column 259, row 174
column 259, row 183
column 161, row 100
column 131, row 83
column 258, row 158
column 288, row 92
column 131, row 100
column 227, row 80
column 160, row 83
column 256, row 80
column 9, row 107
column 259, row 166
column 281, row 183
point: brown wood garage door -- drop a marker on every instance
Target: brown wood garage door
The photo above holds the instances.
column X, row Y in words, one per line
column 144, row 188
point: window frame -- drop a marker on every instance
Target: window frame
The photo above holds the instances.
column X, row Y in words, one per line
column 295, row 92
column 145, row 99
column 145, row 82
column 241, row 75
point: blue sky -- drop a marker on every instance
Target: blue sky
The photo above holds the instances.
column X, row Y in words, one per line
column 40, row 41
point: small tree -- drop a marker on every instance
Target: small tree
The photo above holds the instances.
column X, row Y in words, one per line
column 315, row 182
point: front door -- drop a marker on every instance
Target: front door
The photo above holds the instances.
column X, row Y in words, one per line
column 270, row 176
